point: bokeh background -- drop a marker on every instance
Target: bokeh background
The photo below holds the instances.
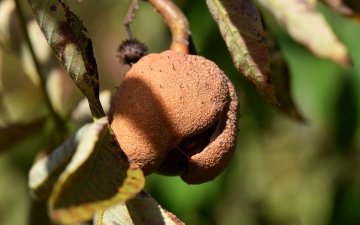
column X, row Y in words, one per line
column 284, row 172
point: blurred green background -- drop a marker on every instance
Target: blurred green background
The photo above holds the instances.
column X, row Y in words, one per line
column 283, row 172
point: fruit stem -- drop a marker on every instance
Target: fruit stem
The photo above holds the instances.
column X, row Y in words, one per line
column 176, row 21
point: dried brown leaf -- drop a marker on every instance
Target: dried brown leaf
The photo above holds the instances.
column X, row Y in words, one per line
column 240, row 25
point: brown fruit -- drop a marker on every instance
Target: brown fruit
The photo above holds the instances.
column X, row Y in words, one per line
column 176, row 114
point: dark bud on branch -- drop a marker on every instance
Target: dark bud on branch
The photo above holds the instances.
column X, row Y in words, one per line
column 131, row 51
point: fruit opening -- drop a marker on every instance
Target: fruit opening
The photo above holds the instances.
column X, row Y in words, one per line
column 177, row 161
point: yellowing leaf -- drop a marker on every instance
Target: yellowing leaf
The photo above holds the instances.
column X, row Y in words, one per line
column 64, row 32
column 141, row 210
column 97, row 177
column 45, row 172
column 240, row 25
column 309, row 28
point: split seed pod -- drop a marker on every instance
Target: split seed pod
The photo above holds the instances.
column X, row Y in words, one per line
column 176, row 114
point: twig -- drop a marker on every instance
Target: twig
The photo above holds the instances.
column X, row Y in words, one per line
column 22, row 23
column 176, row 21
column 129, row 16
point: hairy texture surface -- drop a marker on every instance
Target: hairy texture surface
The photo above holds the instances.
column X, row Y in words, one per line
column 178, row 103
column 131, row 51
column 217, row 155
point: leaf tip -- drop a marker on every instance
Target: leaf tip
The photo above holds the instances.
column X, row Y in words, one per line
column 270, row 95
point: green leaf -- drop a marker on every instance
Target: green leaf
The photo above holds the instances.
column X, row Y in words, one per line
column 141, row 210
column 97, row 177
column 309, row 28
column 64, row 32
column 240, row 25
